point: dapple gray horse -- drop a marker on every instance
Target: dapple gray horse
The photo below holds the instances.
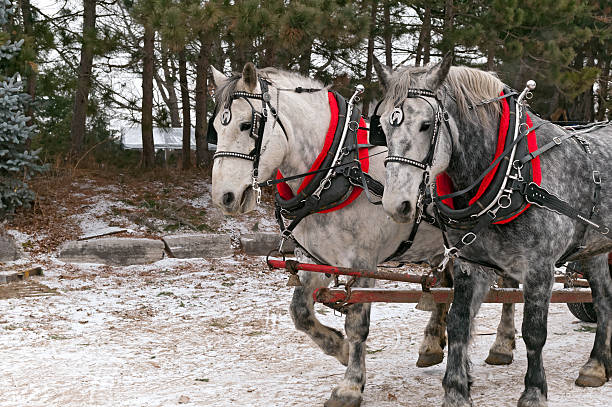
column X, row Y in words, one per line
column 360, row 235
column 525, row 249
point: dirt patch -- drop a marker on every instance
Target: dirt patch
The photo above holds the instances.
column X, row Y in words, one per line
column 24, row 289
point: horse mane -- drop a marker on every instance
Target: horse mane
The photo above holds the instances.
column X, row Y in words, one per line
column 279, row 78
column 466, row 86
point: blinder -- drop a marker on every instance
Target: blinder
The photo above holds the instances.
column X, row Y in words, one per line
column 377, row 134
column 211, row 134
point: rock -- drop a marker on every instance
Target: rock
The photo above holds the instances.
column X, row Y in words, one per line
column 199, row 246
column 113, row 251
column 183, row 399
column 260, row 244
column 9, row 250
column 102, row 232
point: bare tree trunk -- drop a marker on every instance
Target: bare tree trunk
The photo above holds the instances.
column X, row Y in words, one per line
column 604, row 86
column 305, row 60
column 370, row 62
column 491, row 55
column 423, row 47
column 269, row 58
column 79, row 111
column 169, row 81
column 186, row 104
column 148, row 147
column 387, row 33
column 28, row 25
column 201, row 101
column 449, row 15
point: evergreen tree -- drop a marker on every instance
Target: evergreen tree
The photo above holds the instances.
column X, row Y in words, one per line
column 17, row 164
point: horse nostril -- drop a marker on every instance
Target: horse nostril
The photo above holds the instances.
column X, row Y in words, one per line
column 228, row 198
column 405, row 208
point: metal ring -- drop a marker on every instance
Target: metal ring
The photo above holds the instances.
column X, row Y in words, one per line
column 270, row 254
column 472, row 237
column 500, row 200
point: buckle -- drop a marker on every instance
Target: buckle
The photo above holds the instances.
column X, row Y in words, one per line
column 471, row 235
column 557, row 140
column 597, row 177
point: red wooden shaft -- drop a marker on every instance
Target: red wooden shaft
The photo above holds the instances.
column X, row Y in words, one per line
column 343, row 271
column 441, row 295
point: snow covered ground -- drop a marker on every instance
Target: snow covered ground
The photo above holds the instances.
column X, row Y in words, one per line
column 218, row 333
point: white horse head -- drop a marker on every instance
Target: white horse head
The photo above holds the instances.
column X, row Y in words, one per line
column 232, row 177
column 408, row 123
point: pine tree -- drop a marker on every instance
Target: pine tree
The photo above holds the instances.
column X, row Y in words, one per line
column 17, row 164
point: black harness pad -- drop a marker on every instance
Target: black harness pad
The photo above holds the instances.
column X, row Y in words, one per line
column 465, row 218
column 304, row 203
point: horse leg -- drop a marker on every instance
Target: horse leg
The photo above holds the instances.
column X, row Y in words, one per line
column 431, row 351
column 501, row 353
column 470, row 286
column 330, row 340
column 537, row 290
column 598, row 369
column 357, row 326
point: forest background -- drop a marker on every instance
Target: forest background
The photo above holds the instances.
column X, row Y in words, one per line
column 79, row 71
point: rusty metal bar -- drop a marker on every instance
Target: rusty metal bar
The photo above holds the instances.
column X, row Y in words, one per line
column 343, row 271
column 578, row 282
column 440, row 295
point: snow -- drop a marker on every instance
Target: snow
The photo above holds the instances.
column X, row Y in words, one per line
column 218, row 332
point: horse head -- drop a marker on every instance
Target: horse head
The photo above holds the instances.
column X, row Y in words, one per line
column 249, row 147
column 419, row 141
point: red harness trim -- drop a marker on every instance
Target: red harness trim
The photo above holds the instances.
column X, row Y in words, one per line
column 444, row 184
column 532, row 145
column 362, row 138
column 501, row 143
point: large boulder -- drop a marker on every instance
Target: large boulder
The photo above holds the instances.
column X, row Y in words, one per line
column 260, row 244
column 9, row 250
column 199, row 246
column 113, row 251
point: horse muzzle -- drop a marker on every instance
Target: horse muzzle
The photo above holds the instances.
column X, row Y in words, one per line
column 401, row 211
column 236, row 203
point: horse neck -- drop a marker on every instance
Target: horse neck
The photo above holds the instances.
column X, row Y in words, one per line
column 473, row 152
column 306, row 119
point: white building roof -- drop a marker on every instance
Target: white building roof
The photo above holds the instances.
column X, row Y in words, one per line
column 171, row 138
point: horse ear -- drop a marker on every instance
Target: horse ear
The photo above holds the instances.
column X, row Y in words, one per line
column 218, row 78
column 249, row 76
column 383, row 72
column 438, row 73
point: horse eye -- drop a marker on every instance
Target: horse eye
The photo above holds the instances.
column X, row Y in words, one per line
column 425, row 126
column 245, row 126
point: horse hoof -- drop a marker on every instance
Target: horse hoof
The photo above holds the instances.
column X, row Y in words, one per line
column 590, row 381
column 532, row 398
column 344, row 398
column 496, row 358
column 335, row 401
column 592, row 374
column 429, row 359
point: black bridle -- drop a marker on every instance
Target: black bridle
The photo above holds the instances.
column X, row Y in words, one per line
column 395, row 120
column 258, row 125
